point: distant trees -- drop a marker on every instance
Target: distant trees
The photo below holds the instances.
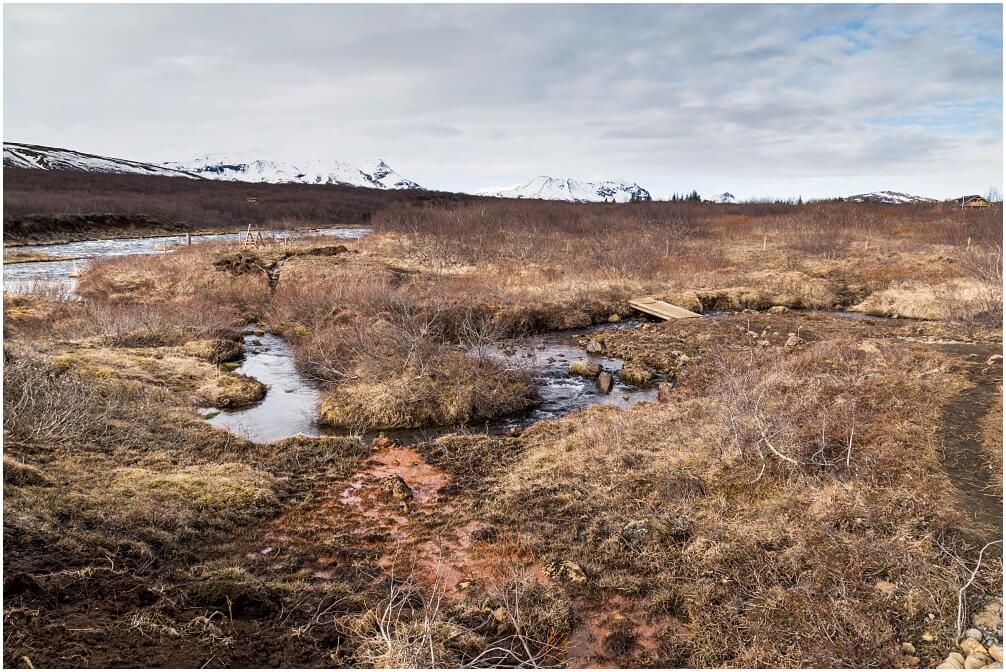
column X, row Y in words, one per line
column 995, row 195
column 693, row 197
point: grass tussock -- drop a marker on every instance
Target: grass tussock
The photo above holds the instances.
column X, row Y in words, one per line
column 757, row 512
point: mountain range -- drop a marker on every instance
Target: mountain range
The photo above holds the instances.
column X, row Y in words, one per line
column 376, row 174
column 895, row 197
column 567, row 189
column 18, row 155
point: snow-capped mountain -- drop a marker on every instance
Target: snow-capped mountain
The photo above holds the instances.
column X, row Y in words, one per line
column 889, row 197
column 374, row 174
column 556, row 189
column 725, row 197
column 19, row 155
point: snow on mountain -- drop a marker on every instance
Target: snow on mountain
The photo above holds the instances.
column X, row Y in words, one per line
column 375, row 174
column 889, row 197
column 557, row 189
column 725, row 197
column 19, row 155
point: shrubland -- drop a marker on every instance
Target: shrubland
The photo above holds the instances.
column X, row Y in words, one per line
column 785, row 505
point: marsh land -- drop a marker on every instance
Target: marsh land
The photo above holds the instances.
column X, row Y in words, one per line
column 451, row 442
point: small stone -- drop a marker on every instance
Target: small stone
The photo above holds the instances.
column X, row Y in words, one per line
column 974, row 633
column 969, row 646
column 594, row 346
column 988, row 618
column 793, row 341
column 908, row 648
column 614, row 317
column 954, row 661
column 994, row 359
column 396, row 486
column 928, row 636
column 775, row 310
column 762, row 343
column 976, row 661
column 752, row 334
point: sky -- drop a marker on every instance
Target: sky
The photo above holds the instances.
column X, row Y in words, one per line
column 757, row 100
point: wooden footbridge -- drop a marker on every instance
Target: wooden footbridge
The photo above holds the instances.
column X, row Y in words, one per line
column 661, row 309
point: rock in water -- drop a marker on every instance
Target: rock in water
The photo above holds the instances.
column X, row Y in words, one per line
column 605, row 381
column 594, row 346
column 582, row 367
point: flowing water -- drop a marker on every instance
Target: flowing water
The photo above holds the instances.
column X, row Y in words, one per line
column 23, row 275
column 291, row 402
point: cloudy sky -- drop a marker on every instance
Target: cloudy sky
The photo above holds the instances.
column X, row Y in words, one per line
column 777, row 100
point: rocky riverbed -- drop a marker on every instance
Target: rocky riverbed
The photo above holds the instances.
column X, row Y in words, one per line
column 981, row 645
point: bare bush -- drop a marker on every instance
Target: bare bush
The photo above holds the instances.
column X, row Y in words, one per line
column 47, row 407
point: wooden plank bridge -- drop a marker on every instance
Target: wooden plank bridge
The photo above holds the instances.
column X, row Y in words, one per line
column 661, row 309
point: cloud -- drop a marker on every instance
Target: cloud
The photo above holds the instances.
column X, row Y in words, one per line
column 715, row 97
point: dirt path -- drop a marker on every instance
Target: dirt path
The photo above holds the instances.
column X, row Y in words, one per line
column 962, row 453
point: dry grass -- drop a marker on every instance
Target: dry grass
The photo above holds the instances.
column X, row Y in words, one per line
column 756, row 511
column 787, row 506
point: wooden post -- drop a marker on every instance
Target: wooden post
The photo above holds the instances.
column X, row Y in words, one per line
column 764, row 243
column 188, row 239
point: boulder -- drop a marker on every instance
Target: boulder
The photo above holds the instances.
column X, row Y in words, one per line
column 605, row 381
column 775, row 310
column 996, row 651
column 614, row 317
column 908, row 648
column 994, row 359
column 582, row 367
column 594, row 346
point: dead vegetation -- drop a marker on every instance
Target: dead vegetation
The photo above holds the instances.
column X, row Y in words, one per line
column 784, row 506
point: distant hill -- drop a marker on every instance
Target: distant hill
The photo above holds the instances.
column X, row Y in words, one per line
column 889, row 197
column 40, row 157
column 375, row 174
column 567, row 189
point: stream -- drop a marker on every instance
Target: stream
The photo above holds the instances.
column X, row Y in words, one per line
column 24, row 275
column 291, row 401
